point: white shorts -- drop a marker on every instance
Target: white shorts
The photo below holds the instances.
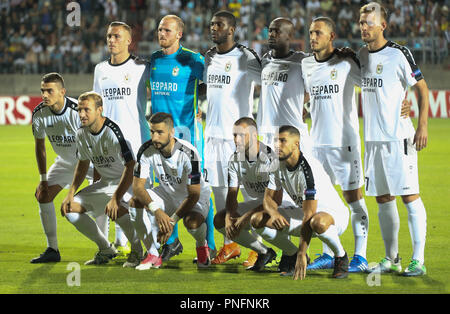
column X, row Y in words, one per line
column 391, row 168
column 62, row 171
column 217, row 154
column 342, row 164
column 94, row 197
column 169, row 205
column 291, row 212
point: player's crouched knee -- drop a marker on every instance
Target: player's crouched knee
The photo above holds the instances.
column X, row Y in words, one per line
column 42, row 196
column 318, row 224
column 136, row 203
column 257, row 220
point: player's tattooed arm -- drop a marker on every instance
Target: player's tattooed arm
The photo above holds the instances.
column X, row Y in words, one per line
column 113, row 206
column 270, row 205
column 81, row 170
column 309, row 209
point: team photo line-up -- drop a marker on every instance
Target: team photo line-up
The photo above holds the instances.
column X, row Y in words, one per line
column 147, row 173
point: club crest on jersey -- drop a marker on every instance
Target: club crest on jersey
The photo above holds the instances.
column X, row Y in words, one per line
column 379, row 68
column 127, row 78
column 333, row 74
column 105, row 150
column 175, row 71
column 228, row 67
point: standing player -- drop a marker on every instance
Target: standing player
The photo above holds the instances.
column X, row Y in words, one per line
column 175, row 73
column 391, row 143
column 307, row 183
column 55, row 117
column 101, row 141
column 230, row 72
column 182, row 193
column 122, row 83
column 282, row 87
column 330, row 82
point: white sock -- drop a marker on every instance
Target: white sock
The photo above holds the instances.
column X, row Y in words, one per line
column 103, row 223
column 246, row 239
column 326, row 249
column 279, row 239
column 360, row 225
column 121, row 238
column 417, row 222
column 154, row 233
column 331, row 238
column 89, row 228
column 389, row 225
column 142, row 225
column 199, row 235
column 220, row 198
column 130, row 233
column 256, row 235
column 48, row 220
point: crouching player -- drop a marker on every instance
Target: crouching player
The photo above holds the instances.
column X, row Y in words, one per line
column 250, row 167
column 182, row 193
column 101, row 141
column 306, row 182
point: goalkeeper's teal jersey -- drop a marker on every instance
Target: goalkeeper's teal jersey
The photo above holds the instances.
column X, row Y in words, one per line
column 174, row 81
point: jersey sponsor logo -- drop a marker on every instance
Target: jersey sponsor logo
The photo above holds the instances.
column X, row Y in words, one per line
column 164, row 88
column 168, row 179
column 258, row 187
column 103, row 161
column 273, row 77
column 62, row 140
column 116, row 92
column 369, row 84
column 324, row 91
column 219, row 79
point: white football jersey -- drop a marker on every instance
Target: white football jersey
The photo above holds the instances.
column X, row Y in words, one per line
column 331, row 86
column 230, row 81
column 124, row 92
column 108, row 150
column 386, row 75
column 252, row 174
column 174, row 173
column 282, row 93
column 307, row 181
column 59, row 127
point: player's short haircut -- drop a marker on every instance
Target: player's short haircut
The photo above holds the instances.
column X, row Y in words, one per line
column 329, row 22
column 162, row 117
column 178, row 20
column 286, row 22
column 98, row 101
column 123, row 25
column 231, row 19
column 53, row 78
column 246, row 120
column 289, row 129
column 374, row 7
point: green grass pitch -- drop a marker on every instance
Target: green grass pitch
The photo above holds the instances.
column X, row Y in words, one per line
column 21, row 238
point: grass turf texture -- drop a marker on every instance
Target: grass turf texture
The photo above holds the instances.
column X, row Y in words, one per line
column 22, row 238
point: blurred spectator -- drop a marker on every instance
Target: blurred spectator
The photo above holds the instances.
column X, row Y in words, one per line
column 36, row 38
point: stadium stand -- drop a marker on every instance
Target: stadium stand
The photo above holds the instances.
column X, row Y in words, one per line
column 35, row 37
